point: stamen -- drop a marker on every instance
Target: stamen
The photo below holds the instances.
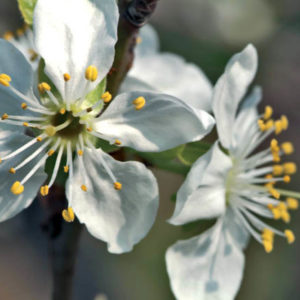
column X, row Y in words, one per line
column 84, row 188
column 68, row 215
column 51, row 152
column 289, row 168
column 292, row 203
column 4, row 116
column 66, row 169
column 284, row 122
column 8, row 35
column 268, row 112
column 106, row 97
column 44, row 190
column 67, row 77
column 24, row 106
column 117, row 186
column 43, row 87
column 12, row 171
column 118, row 142
column 56, row 166
column 80, row 152
column 139, row 103
column 289, row 236
column 287, row 148
column 62, row 111
column 91, row 73
column 5, row 80
column 17, row 188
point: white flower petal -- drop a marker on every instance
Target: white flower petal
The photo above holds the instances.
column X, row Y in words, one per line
column 14, row 64
column 209, row 266
column 163, row 123
column 71, row 35
column 11, row 204
column 230, row 89
column 170, row 74
column 245, row 123
column 120, row 218
column 149, row 41
column 202, row 195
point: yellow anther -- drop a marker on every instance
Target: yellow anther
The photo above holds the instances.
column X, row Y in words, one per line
column 89, row 129
column 282, row 206
column 290, row 168
column 268, row 245
column 44, row 190
column 269, row 124
column 284, row 122
column 267, row 234
column 5, row 77
column 62, row 111
column 118, row 186
column 12, row 171
column 33, row 54
column 287, row 178
column 39, row 139
column 285, row 216
column 66, row 169
column 292, row 203
column 278, row 127
column 270, row 206
column 106, row 97
column 274, row 145
column 91, row 73
column 274, row 193
column 277, row 170
column 4, row 117
column 287, row 148
column 17, row 188
column 8, row 35
column 51, row 152
column 25, row 124
column 269, row 176
column 50, row 130
column 68, row 215
column 276, row 213
column 80, row 152
column 84, row 188
column 289, row 236
column 67, row 77
column 139, row 103
column 261, row 125
column 276, row 157
column 118, row 142
column 138, row 40
column 4, row 82
column 24, row 105
column 268, row 112
column 43, row 87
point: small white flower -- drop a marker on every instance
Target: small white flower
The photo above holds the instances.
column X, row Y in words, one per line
column 117, row 201
column 167, row 73
column 237, row 188
column 23, row 41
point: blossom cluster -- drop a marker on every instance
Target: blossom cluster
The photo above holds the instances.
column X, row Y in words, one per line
column 54, row 103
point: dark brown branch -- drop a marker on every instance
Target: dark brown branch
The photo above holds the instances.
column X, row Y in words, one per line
column 133, row 15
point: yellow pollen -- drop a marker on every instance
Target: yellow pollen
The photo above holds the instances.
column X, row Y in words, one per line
column 287, row 148
column 285, row 216
column 277, row 170
column 269, row 124
column 276, row 158
column 91, row 73
column 4, row 117
column 261, row 125
column 289, row 168
column 270, row 206
column 89, row 129
column 284, row 122
column 17, row 188
column 68, row 215
column 51, row 152
column 67, row 77
column 118, row 186
column 44, row 190
column 8, row 35
column 24, row 105
column 43, row 87
column 139, row 103
column 287, row 178
column 274, row 145
column 50, row 130
column 80, row 152
column 268, row 112
column 66, row 169
column 278, row 127
column 25, row 124
column 274, row 193
column 138, row 40
column 12, row 171
column 106, row 97
column 289, row 236
column 118, row 142
column 292, row 203
column 268, row 245
column 4, row 82
column 84, row 188
column 39, row 139
column 282, row 206
column 62, row 111
column 276, row 213
column 5, row 77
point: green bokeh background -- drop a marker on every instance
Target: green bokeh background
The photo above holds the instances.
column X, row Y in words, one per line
column 206, row 32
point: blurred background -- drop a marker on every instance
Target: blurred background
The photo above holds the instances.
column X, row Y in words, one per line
column 206, row 32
